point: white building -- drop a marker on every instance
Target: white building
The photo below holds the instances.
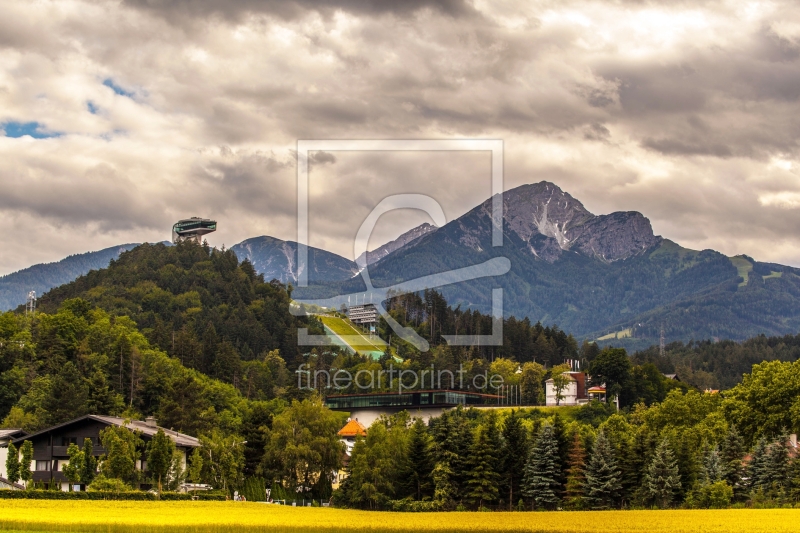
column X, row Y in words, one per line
column 573, row 394
column 6, row 436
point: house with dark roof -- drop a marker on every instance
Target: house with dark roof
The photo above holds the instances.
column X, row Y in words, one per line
column 50, row 444
column 6, row 436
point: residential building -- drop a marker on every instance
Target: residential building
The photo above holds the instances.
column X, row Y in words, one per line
column 574, row 394
column 6, row 436
column 50, row 444
column 347, row 435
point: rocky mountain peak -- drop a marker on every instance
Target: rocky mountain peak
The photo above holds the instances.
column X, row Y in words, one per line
column 551, row 221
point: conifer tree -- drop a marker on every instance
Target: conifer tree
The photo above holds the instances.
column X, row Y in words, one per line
column 731, row 457
column 495, row 439
column 515, row 446
column 444, row 488
column 712, row 466
column 756, row 468
column 563, row 441
column 418, row 467
column 602, row 475
column 794, row 479
column 540, row 482
column 663, row 479
column 12, row 464
column 775, row 477
column 481, row 477
column 635, row 457
column 89, row 466
column 576, row 477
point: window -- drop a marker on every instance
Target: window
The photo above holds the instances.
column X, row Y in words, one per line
column 42, row 466
column 66, row 441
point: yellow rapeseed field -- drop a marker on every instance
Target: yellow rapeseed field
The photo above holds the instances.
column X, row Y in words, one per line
column 202, row 517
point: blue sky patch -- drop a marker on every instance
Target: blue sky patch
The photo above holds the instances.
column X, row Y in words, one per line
column 93, row 109
column 108, row 82
column 20, row 129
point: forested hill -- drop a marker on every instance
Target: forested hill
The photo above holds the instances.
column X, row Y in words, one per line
column 40, row 278
column 196, row 303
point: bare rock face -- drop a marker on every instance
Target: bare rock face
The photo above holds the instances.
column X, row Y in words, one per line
column 616, row 236
column 552, row 221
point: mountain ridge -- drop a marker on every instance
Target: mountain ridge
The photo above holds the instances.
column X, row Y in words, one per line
column 42, row 277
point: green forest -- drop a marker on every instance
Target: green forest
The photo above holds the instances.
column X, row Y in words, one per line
column 191, row 336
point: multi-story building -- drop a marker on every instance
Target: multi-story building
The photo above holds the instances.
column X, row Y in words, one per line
column 50, row 444
column 363, row 314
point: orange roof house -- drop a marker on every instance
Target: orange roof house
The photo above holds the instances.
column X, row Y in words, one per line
column 353, row 429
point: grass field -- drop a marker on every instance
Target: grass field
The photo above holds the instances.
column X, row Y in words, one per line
column 743, row 267
column 354, row 337
column 202, row 517
column 624, row 334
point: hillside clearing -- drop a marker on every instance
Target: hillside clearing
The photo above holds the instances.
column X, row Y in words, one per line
column 357, row 340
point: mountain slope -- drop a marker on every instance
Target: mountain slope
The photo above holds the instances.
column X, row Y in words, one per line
column 597, row 274
column 43, row 277
column 403, row 240
column 277, row 259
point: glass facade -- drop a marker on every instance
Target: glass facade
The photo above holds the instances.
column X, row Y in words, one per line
column 195, row 224
column 436, row 398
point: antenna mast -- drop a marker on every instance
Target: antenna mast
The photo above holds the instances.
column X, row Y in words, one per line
column 30, row 304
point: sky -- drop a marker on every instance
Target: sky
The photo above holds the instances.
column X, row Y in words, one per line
column 117, row 118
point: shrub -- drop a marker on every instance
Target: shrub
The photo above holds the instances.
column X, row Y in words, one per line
column 108, row 484
column 710, row 496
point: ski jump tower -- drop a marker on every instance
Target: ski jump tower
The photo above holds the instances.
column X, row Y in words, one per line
column 192, row 229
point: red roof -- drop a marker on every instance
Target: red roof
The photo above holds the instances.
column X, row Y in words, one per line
column 353, row 428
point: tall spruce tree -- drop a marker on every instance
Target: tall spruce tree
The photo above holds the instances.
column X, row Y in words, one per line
column 603, row 484
column 756, row 468
column 540, row 482
column 712, row 466
column 576, row 476
column 514, row 455
column 775, row 477
column 634, row 459
column 417, row 469
column 481, row 477
column 794, row 479
column 731, row 457
column 561, row 434
column 663, row 479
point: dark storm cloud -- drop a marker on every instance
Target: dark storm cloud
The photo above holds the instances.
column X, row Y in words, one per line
column 178, row 10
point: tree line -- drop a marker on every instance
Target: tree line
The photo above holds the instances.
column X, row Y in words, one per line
column 696, row 450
